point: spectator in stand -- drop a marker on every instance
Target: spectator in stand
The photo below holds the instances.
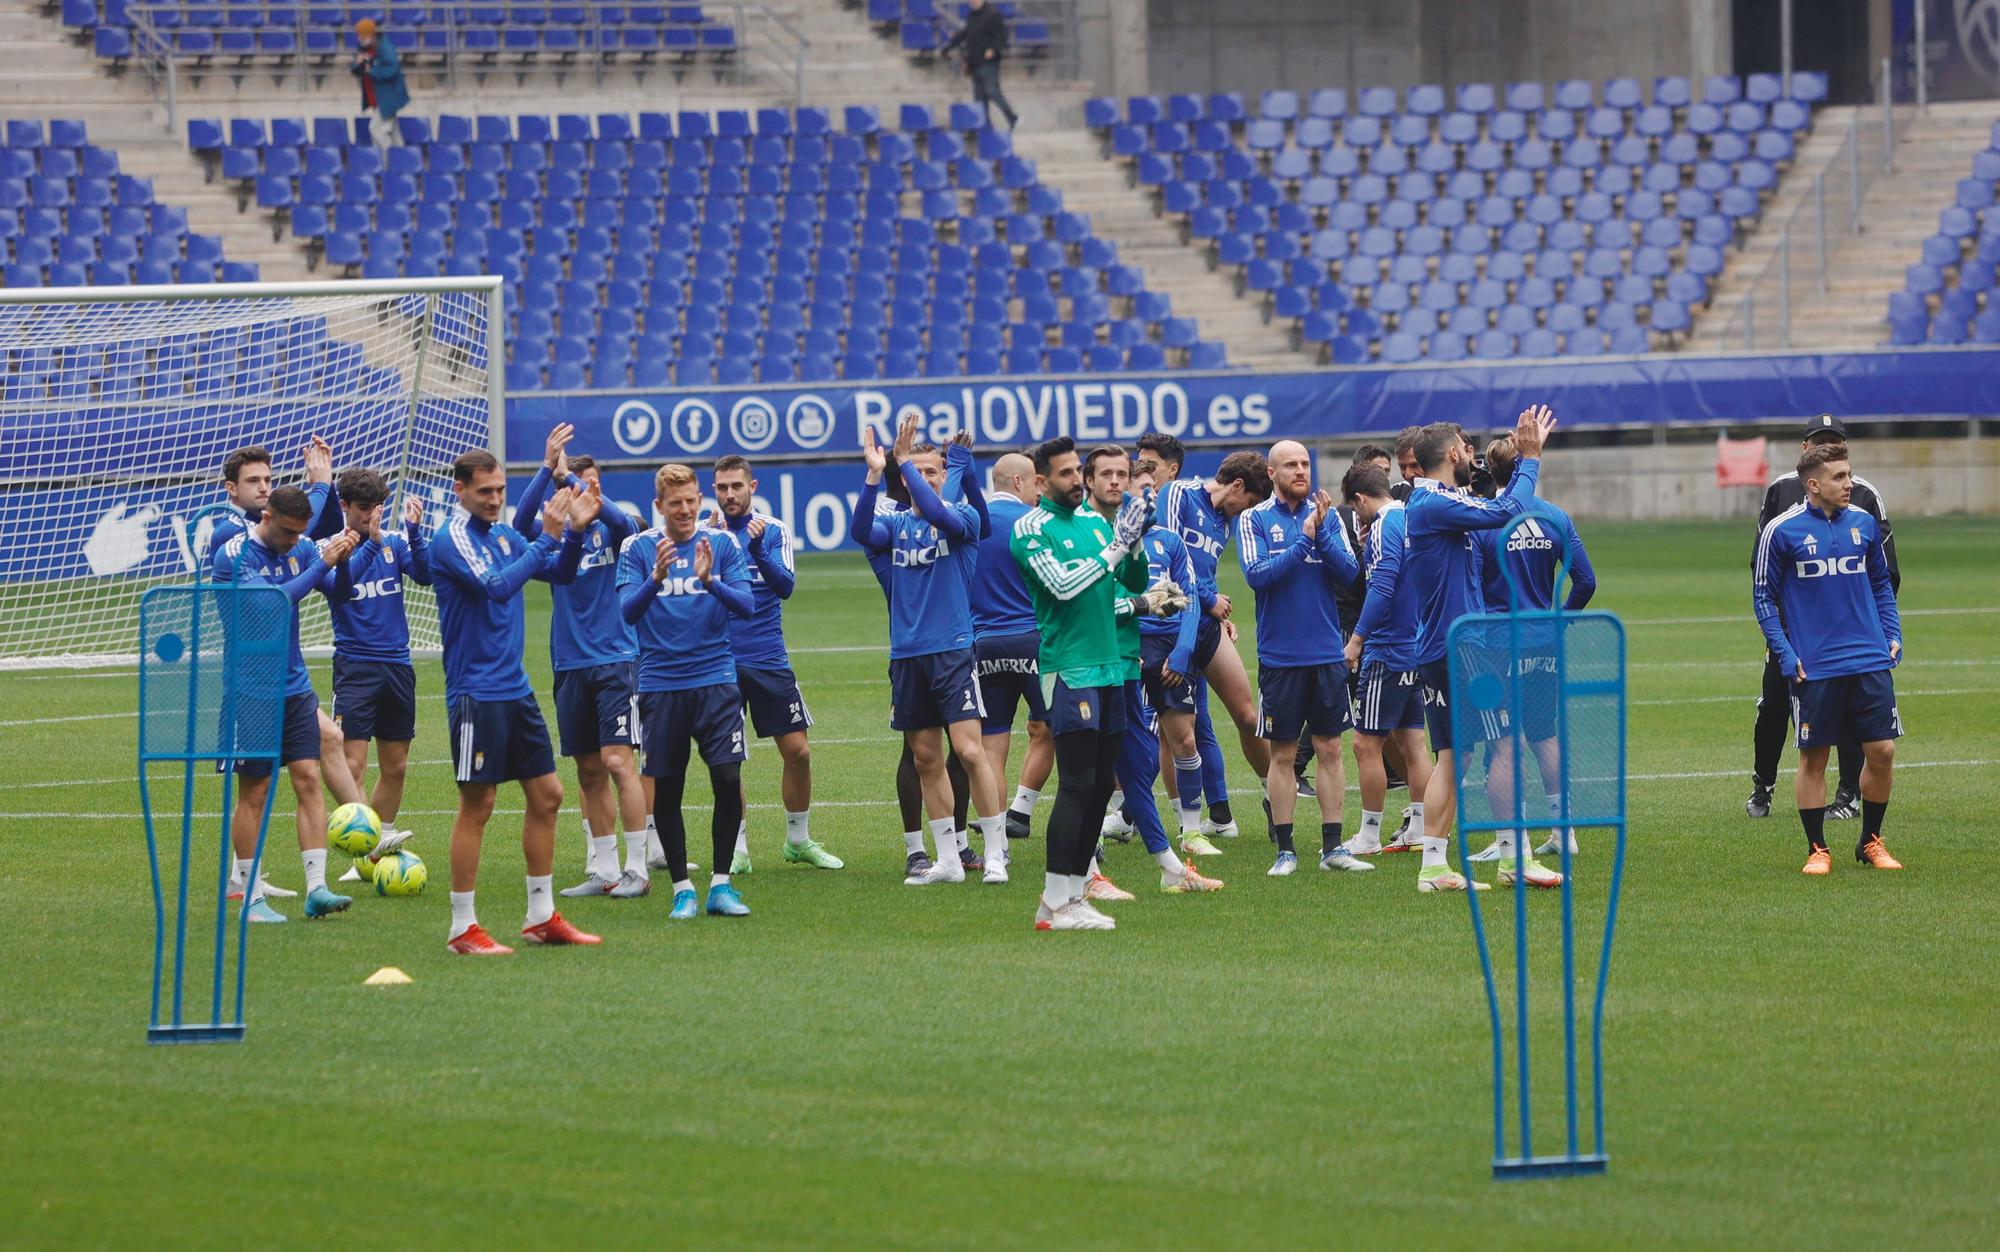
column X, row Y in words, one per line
column 383, row 92
column 984, row 36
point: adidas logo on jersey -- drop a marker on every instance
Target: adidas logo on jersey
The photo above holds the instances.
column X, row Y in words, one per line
column 1530, row 537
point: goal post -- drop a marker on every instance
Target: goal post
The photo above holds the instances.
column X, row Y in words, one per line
column 118, row 406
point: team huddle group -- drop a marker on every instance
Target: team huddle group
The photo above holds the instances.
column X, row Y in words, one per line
column 1079, row 587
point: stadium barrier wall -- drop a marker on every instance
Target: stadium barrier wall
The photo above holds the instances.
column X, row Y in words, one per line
column 812, row 421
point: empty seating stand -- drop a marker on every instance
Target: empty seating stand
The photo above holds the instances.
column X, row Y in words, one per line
column 921, row 28
column 692, row 248
column 1947, row 296
column 69, row 218
column 1488, row 221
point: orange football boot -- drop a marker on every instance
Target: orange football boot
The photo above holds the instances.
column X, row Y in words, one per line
column 474, row 941
column 1874, row 854
column 1820, row 862
column 556, row 932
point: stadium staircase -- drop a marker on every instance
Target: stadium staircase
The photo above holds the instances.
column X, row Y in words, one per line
column 1070, row 160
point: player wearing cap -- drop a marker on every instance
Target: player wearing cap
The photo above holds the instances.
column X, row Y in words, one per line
column 1823, row 596
column 1774, row 704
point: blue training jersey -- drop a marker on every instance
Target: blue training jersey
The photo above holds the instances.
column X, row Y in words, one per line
column 586, row 628
column 1823, row 595
column 1184, row 508
column 1388, row 625
column 683, row 626
column 365, row 597
column 230, row 525
column 1295, row 577
column 1441, row 557
column 1167, row 557
column 759, row 640
column 1534, row 552
column 299, row 573
column 932, row 548
column 1000, row 602
column 478, row 569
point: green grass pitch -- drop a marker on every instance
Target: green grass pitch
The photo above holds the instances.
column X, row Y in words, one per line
column 1289, row 1063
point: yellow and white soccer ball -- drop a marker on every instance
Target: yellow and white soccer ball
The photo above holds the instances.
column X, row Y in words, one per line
column 400, row 874
column 364, row 867
column 354, row 829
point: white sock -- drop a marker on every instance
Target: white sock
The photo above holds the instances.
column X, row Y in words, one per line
column 635, row 851
column 717, row 880
column 604, row 855
column 993, row 837
column 654, row 849
column 1025, row 799
column 1170, row 865
column 1416, row 812
column 1079, row 883
column 683, row 885
column 1117, row 800
column 1371, row 826
column 942, row 838
column 795, row 828
column 1434, row 851
column 913, row 842
column 1504, row 840
column 239, row 873
column 1055, row 890
column 315, row 868
column 462, row 916
column 541, row 899
column 743, row 837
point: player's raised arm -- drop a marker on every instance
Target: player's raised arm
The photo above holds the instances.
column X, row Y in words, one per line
column 957, row 522
column 864, row 527
column 418, row 566
column 1338, row 562
column 642, row 567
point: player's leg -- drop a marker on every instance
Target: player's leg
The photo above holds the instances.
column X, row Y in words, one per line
column 1774, row 716
column 1303, row 772
column 1073, row 821
column 988, row 795
column 910, row 803
column 1372, row 774
column 927, row 747
column 1548, row 756
column 1139, row 759
column 468, row 830
column 320, row 901
column 668, row 745
column 1281, row 695
column 1510, row 788
column 600, row 825
column 1328, row 718
column 1220, row 822
column 356, row 752
column 1417, row 769
column 1441, row 792
column 631, row 809
column 253, row 789
column 961, row 806
column 778, row 712
column 715, row 716
column 334, row 773
column 1846, row 802
column 1182, row 757
column 392, row 776
column 1110, row 735
column 1809, row 791
column 1873, row 719
column 1229, row 680
column 530, row 760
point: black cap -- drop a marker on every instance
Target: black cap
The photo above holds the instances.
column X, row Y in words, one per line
column 1825, row 423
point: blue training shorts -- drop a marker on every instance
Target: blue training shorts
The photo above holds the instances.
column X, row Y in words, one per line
column 1009, row 672
column 711, row 718
column 1072, row 709
column 298, row 739
column 935, row 689
column 777, row 706
column 496, row 741
column 375, row 699
column 1862, row 706
column 597, row 705
column 1387, row 700
column 1291, row 698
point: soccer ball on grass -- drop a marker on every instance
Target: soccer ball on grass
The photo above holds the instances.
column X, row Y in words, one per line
column 354, row 829
column 400, row 874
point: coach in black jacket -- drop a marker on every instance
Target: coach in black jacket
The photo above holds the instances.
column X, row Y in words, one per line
column 1774, row 706
column 985, row 38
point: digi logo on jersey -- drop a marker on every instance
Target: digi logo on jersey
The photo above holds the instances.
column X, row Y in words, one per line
column 1207, row 543
column 1823, row 567
column 683, row 585
column 377, row 589
column 927, row 555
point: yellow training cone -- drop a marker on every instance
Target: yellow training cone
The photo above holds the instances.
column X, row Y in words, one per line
column 387, row 976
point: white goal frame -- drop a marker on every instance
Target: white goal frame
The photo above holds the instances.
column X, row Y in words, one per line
column 488, row 286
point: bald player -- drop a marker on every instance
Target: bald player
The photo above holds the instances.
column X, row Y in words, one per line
column 1005, row 645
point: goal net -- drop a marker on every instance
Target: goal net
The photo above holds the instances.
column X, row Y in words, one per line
column 120, row 405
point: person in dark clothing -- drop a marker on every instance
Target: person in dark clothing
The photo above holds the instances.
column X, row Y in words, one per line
column 1774, row 705
column 984, row 37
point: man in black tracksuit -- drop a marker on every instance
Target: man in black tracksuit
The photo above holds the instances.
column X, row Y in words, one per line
column 1774, row 706
column 985, row 38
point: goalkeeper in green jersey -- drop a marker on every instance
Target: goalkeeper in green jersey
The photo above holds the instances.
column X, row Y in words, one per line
column 1077, row 564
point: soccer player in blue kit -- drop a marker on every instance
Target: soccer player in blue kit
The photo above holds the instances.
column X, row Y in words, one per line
column 933, row 546
column 763, row 668
column 594, row 656
column 1381, row 653
column 1533, row 552
column 1007, row 645
column 374, row 682
column 479, row 567
column 1201, row 512
column 1295, row 561
column 1440, row 558
column 681, row 586
column 1827, row 607
column 270, row 552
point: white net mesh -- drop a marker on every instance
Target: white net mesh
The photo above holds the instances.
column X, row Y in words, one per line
column 116, row 416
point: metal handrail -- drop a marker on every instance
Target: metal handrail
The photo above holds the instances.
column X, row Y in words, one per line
column 764, row 42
